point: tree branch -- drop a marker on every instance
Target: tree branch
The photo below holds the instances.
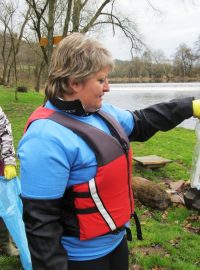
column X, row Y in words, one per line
column 94, row 18
column 67, row 18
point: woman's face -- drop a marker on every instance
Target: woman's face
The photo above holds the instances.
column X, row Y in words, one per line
column 90, row 92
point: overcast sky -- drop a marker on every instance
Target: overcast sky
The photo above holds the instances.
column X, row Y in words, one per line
column 178, row 23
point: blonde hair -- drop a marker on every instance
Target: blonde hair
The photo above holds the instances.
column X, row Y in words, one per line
column 76, row 58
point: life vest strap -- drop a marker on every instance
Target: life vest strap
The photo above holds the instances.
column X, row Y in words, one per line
column 138, row 226
column 76, row 194
column 129, row 236
column 86, row 211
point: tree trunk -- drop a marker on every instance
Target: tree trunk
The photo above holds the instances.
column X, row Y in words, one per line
column 38, row 73
column 52, row 5
column 150, row 194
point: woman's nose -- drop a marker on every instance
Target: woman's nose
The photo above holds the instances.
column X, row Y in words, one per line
column 106, row 86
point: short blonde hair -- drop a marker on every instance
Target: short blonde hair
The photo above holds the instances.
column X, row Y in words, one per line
column 76, row 58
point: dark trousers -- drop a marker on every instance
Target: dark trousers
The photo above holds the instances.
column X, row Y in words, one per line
column 4, row 235
column 7, row 247
column 116, row 260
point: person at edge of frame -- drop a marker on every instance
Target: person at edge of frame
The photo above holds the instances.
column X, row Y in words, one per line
column 8, row 170
column 76, row 161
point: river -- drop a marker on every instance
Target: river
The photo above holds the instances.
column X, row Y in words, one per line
column 133, row 96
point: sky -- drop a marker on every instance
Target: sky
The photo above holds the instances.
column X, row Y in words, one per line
column 178, row 22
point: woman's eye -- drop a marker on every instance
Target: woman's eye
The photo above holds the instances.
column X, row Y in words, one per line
column 102, row 81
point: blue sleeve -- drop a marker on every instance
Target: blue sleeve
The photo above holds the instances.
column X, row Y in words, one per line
column 125, row 118
column 48, row 162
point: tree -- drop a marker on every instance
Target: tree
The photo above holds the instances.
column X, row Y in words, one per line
column 148, row 63
column 197, row 46
column 50, row 18
column 162, row 68
column 60, row 17
column 6, row 14
column 183, row 60
column 197, row 50
column 12, row 33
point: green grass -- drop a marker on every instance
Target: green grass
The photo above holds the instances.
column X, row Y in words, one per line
column 18, row 110
column 167, row 244
column 177, row 145
column 167, row 241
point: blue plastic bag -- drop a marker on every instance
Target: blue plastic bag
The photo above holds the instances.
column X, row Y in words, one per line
column 11, row 212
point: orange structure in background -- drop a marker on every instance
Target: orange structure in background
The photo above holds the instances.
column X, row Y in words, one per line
column 56, row 40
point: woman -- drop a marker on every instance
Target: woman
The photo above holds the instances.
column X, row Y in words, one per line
column 76, row 162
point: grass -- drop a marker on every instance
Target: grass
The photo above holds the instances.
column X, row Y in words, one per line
column 177, row 145
column 169, row 242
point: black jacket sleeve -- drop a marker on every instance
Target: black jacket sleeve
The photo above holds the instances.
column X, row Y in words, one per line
column 163, row 116
column 42, row 220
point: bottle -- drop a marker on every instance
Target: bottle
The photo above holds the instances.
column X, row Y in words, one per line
column 195, row 176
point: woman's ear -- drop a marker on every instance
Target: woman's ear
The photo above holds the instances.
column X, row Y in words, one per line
column 75, row 86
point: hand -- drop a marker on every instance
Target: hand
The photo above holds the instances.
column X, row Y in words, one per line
column 196, row 108
column 10, row 172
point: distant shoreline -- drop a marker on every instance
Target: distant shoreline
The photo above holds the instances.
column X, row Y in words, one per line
column 153, row 80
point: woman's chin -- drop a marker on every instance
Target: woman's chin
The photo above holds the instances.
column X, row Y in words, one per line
column 94, row 109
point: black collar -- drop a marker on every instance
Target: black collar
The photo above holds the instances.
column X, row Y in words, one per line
column 73, row 107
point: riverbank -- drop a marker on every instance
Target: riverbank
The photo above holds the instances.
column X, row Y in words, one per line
column 154, row 80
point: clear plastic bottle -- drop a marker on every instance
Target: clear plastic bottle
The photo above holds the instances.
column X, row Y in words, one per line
column 195, row 176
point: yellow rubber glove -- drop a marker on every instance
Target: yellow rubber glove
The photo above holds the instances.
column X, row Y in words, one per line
column 10, row 171
column 196, row 108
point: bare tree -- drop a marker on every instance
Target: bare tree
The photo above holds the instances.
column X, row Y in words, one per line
column 50, row 26
column 148, row 63
column 6, row 13
column 50, row 17
column 16, row 42
column 197, row 47
column 12, row 33
column 183, row 60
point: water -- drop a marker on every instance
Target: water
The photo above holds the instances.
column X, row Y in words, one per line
column 140, row 95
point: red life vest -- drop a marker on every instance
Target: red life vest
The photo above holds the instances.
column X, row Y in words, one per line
column 105, row 203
